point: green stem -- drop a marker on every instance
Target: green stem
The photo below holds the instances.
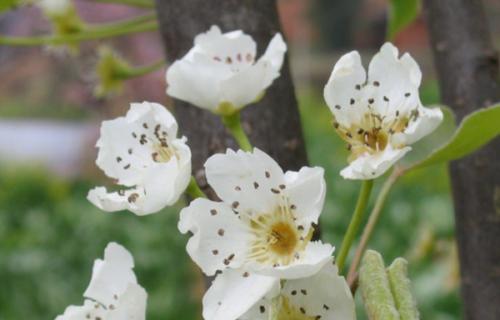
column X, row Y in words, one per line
column 142, row 70
column 138, row 24
column 134, row 3
column 194, row 190
column 372, row 221
column 356, row 219
column 233, row 124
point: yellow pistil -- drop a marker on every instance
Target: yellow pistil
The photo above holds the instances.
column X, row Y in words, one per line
column 282, row 239
column 278, row 240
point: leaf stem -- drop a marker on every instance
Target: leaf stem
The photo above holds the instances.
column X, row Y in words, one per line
column 134, row 3
column 233, row 124
column 143, row 70
column 372, row 221
column 138, row 24
column 194, row 190
column 357, row 217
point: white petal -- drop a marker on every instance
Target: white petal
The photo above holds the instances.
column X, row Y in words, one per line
column 234, row 292
column 163, row 184
column 369, row 166
column 306, row 190
column 112, row 275
column 398, row 81
column 341, row 88
column 214, row 43
column 312, row 259
column 325, row 294
column 112, row 201
column 117, row 137
column 428, row 121
column 245, row 179
column 55, row 7
column 197, row 80
column 246, row 85
column 275, row 53
column 131, row 305
column 219, row 241
column 89, row 310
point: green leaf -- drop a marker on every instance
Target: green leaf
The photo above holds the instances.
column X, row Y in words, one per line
column 6, row 5
column 401, row 14
column 477, row 129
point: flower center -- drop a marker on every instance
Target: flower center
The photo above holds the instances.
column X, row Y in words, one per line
column 371, row 134
column 278, row 240
column 162, row 153
column 282, row 238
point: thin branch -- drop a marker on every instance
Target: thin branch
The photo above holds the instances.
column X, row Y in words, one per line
column 372, row 222
column 146, row 4
column 138, row 24
column 356, row 219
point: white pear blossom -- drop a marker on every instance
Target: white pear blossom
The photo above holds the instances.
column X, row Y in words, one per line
column 380, row 114
column 113, row 292
column 264, row 222
column 324, row 295
column 221, row 73
column 141, row 151
column 55, row 7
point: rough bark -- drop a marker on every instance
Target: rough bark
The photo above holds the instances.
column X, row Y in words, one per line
column 468, row 72
column 273, row 124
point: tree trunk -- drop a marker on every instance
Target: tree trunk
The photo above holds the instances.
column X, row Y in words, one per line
column 273, row 124
column 468, row 71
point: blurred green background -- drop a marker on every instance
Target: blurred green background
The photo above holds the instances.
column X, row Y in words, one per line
column 50, row 234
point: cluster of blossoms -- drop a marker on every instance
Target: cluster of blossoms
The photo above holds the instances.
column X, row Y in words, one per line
column 257, row 240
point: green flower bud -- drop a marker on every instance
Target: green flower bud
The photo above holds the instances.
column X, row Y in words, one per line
column 401, row 290
column 112, row 70
column 375, row 288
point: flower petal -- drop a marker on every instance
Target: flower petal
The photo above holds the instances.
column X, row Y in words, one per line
column 89, row 310
column 163, row 184
column 115, row 201
column 131, row 305
column 196, row 79
column 246, row 85
column 313, row 258
column 324, row 295
column 275, row 53
column 234, row 292
column 216, row 44
column 343, row 88
column 247, row 180
column 306, row 190
column 111, row 276
column 371, row 166
column 397, row 81
column 428, row 121
column 219, row 241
